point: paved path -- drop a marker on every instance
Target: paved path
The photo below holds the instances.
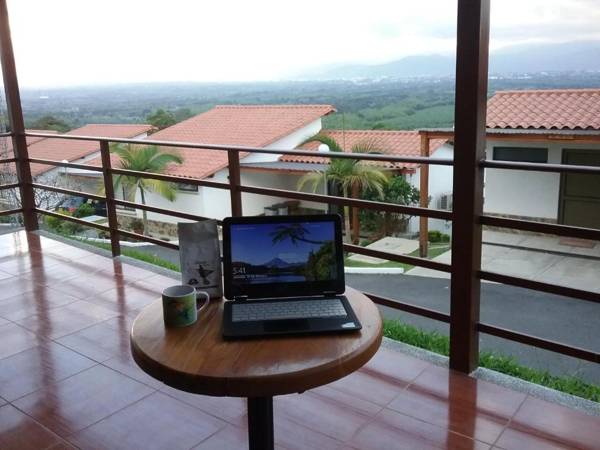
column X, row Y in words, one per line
column 578, row 271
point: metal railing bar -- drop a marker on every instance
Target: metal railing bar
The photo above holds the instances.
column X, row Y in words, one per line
column 72, row 219
column 9, row 212
column 170, row 178
column 46, row 187
column 345, row 201
column 409, row 308
column 238, row 148
column 578, row 294
column 6, row 134
column 8, row 160
column 541, row 227
column 154, row 209
column 412, row 260
column 141, row 237
column 51, row 162
column 539, row 167
column 9, row 186
column 523, row 338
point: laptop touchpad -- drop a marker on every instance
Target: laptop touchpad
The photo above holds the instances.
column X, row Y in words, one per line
column 292, row 325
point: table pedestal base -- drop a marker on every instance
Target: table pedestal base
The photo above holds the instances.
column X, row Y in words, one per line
column 260, row 423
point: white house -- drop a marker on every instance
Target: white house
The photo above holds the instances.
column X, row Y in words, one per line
column 550, row 127
column 267, row 126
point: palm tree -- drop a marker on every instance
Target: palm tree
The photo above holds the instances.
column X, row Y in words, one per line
column 350, row 175
column 146, row 158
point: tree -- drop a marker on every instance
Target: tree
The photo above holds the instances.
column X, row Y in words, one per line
column 396, row 190
column 161, row 119
column 351, row 175
column 149, row 159
column 50, row 122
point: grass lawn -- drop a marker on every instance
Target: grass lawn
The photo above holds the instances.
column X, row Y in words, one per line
column 438, row 343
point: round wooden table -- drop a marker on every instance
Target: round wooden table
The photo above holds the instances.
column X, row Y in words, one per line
column 197, row 359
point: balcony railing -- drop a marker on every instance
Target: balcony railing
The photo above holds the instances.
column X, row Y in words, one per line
column 468, row 166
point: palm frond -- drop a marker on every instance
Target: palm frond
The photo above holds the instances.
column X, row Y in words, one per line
column 324, row 139
column 312, row 179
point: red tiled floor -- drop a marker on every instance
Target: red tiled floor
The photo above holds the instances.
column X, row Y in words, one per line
column 460, row 403
column 19, row 431
column 158, row 422
column 81, row 400
column 98, row 342
column 66, row 373
column 15, row 339
column 36, row 301
column 33, row 369
column 547, row 424
column 396, row 431
column 319, row 414
column 57, row 322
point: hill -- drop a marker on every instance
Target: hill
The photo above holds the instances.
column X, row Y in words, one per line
column 577, row 56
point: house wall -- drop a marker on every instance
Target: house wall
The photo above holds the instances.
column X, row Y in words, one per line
column 526, row 194
column 289, row 142
column 216, row 203
column 440, row 183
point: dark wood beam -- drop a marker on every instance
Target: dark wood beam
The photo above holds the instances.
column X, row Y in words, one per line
column 424, row 198
column 469, row 141
column 15, row 118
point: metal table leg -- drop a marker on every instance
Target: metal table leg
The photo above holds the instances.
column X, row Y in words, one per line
column 260, row 423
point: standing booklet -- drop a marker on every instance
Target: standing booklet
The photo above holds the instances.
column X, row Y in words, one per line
column 200, row 256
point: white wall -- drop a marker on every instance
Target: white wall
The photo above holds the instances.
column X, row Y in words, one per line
column 289, row 142
column 440, row 183
column 519, row 193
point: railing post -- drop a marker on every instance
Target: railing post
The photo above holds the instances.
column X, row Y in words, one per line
column 15, row 117
column 233, row 157
column 469, row 143
column 111, row 210
column 424, row 198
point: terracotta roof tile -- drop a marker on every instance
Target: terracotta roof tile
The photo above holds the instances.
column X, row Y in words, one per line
column 399, row 143
column 246, row 125
column 545, row 109
column 70, row 150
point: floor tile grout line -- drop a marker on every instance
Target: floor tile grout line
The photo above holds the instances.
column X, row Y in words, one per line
column 510, row 419
column 438, row 426
column 225, row 425
column 40, row 424
column 196, row 407
column 53, row 382
column 110, row 415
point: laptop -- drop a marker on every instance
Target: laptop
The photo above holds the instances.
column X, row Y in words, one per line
column 284, row 275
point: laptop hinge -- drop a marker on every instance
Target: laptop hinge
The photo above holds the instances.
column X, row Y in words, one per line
column 240, row 298
column 328, row 293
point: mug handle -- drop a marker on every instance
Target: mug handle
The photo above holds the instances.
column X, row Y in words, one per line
column 206, row 299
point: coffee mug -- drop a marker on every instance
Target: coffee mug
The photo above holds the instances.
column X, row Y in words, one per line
column 180, row 305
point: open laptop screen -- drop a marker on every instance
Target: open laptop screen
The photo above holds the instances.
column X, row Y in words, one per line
column 282, row 256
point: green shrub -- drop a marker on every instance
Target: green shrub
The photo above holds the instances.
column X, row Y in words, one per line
column 54, row 223
column 436, row 236
column 84, row 210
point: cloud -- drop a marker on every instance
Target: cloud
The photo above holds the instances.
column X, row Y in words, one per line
column 65, row 42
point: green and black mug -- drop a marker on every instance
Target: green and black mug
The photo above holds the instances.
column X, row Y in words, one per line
column 181, row 306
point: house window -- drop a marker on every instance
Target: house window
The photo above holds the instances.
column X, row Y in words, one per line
column 187, row 187
column 521, row 154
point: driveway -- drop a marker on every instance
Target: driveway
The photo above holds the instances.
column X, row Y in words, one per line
column 535, row 259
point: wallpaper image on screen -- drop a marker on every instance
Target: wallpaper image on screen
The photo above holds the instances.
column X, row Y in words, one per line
column 283, row 253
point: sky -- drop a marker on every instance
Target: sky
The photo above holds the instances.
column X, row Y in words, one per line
column 254, row 244
column 75, row 42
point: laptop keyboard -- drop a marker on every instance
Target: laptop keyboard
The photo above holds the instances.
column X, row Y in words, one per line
column 301, row 309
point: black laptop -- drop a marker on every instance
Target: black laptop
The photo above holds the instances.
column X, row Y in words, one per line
column 284, row 275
